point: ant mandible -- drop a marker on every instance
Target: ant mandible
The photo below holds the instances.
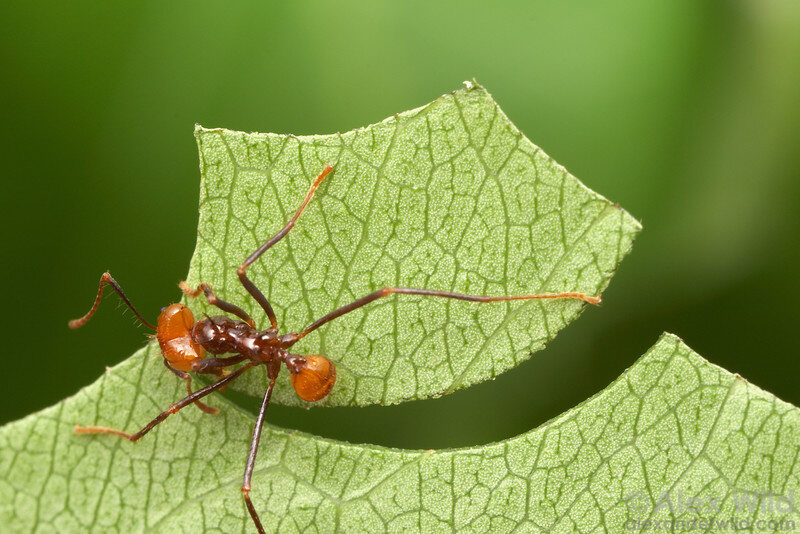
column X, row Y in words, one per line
column 184, row 343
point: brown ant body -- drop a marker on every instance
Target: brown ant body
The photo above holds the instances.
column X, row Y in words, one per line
column 185, row 343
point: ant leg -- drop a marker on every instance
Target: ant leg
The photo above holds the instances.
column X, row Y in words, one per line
column 215, row 365
column 205, row 408
column 106, row 278
column 272, row 371
column 215, row 301
column 246, row 282
column 386, row 291
column 199, row 394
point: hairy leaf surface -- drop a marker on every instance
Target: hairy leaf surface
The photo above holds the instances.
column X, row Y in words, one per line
column 672, row 424
column 450, row 196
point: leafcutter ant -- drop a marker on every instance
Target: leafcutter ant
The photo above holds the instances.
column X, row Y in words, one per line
column 186, row 343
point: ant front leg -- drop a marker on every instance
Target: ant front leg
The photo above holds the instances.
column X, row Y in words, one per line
column 216, row 301
column 205, row 408
column 241, row 271
column 186, row 401
column 386, row 291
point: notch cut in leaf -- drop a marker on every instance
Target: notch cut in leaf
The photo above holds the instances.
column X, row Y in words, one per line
column 449, row 196
column 673, row 424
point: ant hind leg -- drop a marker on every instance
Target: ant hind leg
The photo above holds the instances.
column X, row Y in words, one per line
column 386, row 291
column 272, row 371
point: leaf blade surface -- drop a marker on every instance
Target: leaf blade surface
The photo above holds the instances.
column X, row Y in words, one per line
column 673, row 423
column 449, row 196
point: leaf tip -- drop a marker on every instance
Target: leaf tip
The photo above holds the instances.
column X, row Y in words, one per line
column 469, row 85
column 669, row 337
column 199, row 130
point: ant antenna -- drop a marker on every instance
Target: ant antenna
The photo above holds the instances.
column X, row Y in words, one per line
column 107, row 279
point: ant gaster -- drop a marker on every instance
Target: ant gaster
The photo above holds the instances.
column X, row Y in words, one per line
column 185, row 342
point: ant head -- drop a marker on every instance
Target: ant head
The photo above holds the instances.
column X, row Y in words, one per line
column 313, row 378
column 175, row 320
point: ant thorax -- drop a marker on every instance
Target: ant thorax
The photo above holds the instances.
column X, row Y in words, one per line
column 222, row 335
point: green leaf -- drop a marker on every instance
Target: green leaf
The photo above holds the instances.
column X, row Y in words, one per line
column 673, row 424
column 450, row 196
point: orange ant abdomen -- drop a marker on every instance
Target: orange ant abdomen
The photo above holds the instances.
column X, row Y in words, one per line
column 174, row 334
column 314, row 378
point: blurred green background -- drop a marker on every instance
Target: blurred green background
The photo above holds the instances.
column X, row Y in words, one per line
column 686, row 113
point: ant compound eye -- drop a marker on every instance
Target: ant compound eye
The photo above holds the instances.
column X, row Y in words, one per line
column 314, row 378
